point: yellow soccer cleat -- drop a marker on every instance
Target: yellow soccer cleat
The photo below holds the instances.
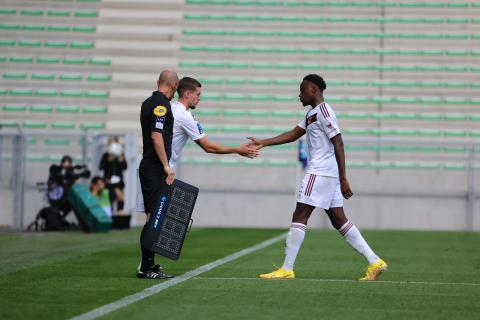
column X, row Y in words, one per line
column 374, row 271
column 280, row 273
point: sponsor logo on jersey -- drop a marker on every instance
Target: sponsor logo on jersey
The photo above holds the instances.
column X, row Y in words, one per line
column 160, row 111
column 200, row 129
column 159, row 122
column 160, row 210
column 311, row 119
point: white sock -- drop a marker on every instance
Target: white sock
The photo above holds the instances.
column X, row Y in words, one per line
column 294, row 242
column 354, row 238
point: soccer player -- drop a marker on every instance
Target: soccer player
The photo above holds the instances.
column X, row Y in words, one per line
column 325, row 180
column 187, row 127
column 156, row 118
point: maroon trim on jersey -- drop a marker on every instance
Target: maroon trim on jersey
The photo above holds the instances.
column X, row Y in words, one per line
column 311, row 119
column 324, row 110
column 311, row 182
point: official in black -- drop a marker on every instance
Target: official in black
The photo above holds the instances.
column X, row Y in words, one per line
column 157, row 129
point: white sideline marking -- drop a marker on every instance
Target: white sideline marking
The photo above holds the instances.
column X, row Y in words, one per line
column 108, row 308
column 348, row 280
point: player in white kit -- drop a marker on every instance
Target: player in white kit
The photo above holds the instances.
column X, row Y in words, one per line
column 186, row 127
column 325, row 181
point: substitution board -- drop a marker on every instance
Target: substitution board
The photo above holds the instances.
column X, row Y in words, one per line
column 171, row 219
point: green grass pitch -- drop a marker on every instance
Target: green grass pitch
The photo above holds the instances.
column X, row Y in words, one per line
column 433, row 275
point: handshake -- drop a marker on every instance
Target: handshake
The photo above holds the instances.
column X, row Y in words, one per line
column 251, row 148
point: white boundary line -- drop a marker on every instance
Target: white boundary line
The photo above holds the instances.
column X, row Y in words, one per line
column 348, row 280
column 108, row 308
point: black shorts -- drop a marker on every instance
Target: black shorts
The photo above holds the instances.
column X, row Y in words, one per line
column 152, row 181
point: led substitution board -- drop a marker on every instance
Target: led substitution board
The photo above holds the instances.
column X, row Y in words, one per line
column 170, row 220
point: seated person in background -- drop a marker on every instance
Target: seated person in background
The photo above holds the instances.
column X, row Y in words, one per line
column 113, row 164
column 98, row 190
column 60, row 179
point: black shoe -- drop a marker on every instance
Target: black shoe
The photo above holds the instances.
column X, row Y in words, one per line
column 153, row 273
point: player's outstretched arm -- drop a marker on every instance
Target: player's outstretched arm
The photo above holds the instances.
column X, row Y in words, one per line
column 283, row 138
column 217, row 148
column 337, row 142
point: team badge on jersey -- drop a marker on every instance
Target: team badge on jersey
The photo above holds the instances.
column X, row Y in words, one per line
column 160, row 111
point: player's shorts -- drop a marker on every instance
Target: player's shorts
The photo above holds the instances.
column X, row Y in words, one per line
column 320, row 191
column 152, row 178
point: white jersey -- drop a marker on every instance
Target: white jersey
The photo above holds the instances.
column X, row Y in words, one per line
column 321, row 125
column 184, row 127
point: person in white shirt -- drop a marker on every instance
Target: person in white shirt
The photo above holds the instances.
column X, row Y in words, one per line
column 187, row 127
column 325, row 180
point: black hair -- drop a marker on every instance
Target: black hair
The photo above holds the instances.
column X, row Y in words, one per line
column 95, row 180
column 66, row 158
column 316, row 80
column 187, row 84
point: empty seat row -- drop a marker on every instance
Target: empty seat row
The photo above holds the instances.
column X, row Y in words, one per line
column 341, row 83
column 333, row 51
column 49, row 13
column 52, row 76
column 327, row 66
column 348, row 99
column 348, row 131
column 316, row 34
column 329, row 19
column 355, row 4
column 35, row 27
column 58, row 109
column 47, row 44
column 423, row 165
column 341, row 115
column 97, row 94
column 53, row 125
column 56, row 60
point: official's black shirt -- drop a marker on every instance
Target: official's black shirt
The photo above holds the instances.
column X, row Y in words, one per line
column 156, row 116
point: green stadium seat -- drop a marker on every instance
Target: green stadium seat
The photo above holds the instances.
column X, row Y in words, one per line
column 43, row 76
column 57, row 142
column 93, row 109
column 86, row 14
column 11, row 108
column 58, row 13
column 10, row 27
column 59, row 28
column 7, row 43
column 21, row 92
column 86, row 29
column 71, row 77
column 33, row 27
column 100, row 62
column 34, row 124
column 47, row 60
column 68, row 109
column 15, row 76
column 62, row 125
column 8, row 123
column 93, row 125
column 41, row 109
column 46, row 93
column 71, row 93
column 55, row 44
column 81, row 45
column 30, row 12
column 99, row 77
column 8, row 11
column 97, row 94
column 30, row 43
column 75, row 61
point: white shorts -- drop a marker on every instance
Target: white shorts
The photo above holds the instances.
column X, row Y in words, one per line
column 320, row 191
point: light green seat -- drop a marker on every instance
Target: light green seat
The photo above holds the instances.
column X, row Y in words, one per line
column 71, row 93
column 234, row 113
column 55, row 44
column 20, row 59
column 43, row 76
column 81, row 45
column 12, row 108
column 7, row 43
column 46, row 92
column 41, row 109
column 35, row 124
column 100, row 62
column 59, row 28
column 258, row 129
column 429, row 132
column 93, row 125
column 456, row 101
column 58, row 13
column 430, row 116
column 85, row 29
column 7, row 11
column 97, row 94
column 8, row 123
column 29, row 27
column 94, row 109
column 71, row 77
column 21, row 92
column 455, row 133
column 99, row 77
column 4, row 91
column 30, row 43
column 68, row 109
column 15, row 76
column 208, row 112
column 79, row 61
column 86, row 14
column 354, row 115
column 258, row 113
column 47, row 60
column 63, row 125
column 30, row 12
column 284, row 114
column 455, row 117
column 57, row 141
